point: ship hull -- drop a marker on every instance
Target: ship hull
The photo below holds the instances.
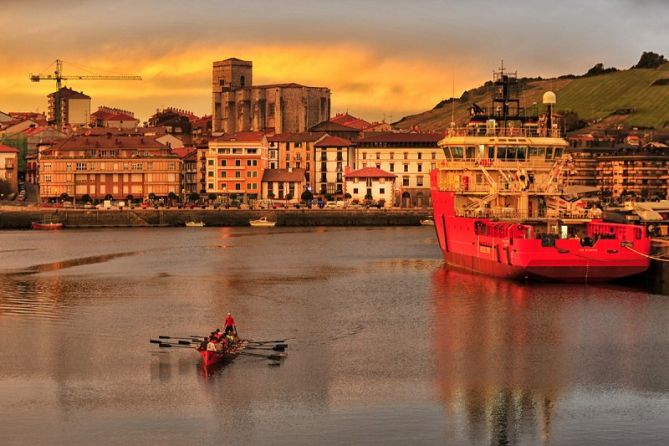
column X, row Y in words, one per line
column 618, row 250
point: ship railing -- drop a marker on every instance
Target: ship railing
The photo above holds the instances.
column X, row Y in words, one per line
column 508, row 132
column 494, row 163
column 513, row 214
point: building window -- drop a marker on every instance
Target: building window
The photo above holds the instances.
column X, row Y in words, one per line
column 420, row 167
column 392, row 167
column 355, row 190
column 238, row 174
column 420, row 156
column 364, row 155
column 405, row 181
column 47, row 166
column 210, row 185
column 382, row 191
column 47, row 178
column 223, row 163
column 406, row 155
column 419, row 181
column 406, row 168
column 223, row 174
column 238, row 186
column 210, row 173
column 171, row 166
column 392, row 155
column 378, row 155
column 434, row 155
column 81, row 166
column 238, row 163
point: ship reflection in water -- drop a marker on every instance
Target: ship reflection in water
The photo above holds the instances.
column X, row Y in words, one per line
column 533, row 364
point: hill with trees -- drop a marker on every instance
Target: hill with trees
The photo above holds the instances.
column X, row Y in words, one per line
column 604, row 97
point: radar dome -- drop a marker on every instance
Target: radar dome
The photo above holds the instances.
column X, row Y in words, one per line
column 550, row 98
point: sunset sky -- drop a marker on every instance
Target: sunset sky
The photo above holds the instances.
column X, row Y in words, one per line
column 379, row 57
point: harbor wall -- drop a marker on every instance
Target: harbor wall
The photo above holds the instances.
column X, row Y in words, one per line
column 22, row 218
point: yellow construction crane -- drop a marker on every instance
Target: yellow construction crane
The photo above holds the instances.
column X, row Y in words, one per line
column 59, row 77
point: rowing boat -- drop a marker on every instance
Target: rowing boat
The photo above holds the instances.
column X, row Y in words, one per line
column 210, row 358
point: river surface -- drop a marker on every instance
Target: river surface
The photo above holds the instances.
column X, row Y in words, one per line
column 387, row 346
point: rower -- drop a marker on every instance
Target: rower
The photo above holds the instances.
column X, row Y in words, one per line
column 230, row 325
column 211, row 345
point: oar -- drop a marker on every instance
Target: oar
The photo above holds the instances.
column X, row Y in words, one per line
column 276, row 349
column 255, row 341
column 181, row 337
column 159, row 341
column 275, row 357
column 174, row 345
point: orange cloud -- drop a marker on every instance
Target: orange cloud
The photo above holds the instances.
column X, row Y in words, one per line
column 360, row 78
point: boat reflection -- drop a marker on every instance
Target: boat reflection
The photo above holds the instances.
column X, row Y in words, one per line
column 505, row 352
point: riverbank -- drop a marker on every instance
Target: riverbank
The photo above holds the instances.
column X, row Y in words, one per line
column 22, row 218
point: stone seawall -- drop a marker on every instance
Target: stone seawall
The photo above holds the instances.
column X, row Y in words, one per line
column 21, row 218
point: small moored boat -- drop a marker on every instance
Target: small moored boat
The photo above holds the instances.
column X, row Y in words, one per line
column 195, row 224
column 51, row 225
column 427, row 222
column 262, row 222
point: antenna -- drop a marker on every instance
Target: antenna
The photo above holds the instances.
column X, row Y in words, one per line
column 453, row 100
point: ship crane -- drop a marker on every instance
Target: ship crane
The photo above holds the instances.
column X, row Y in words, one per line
column 59, row 78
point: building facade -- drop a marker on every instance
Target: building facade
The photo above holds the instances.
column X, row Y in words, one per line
column 410, row 156
column 8, row 170
column 240, row 106
column 110, row 117
column 371, row 184
column 107, row 166
column 283, row 184
column 333, row 156
column 295, row 151
column 75, row 107
column 235, row 165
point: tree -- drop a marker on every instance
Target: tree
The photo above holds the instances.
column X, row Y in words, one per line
column 572, row 121
column 152, row 196
column 193, row 196
column 307, row 195
column 212, row 196
column 270, row 195
column 129, row 198
column 650, row 59
column 368, row 196
column 64, row 196
column 172, row 196
column 347, row 196
column 86, row 198
column 599, row 69
column 329, row 197
column 109, row 197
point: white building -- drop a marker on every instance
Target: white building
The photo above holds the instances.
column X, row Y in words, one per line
column 372, row 184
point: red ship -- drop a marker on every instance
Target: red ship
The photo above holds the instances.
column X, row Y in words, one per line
column 503, row 206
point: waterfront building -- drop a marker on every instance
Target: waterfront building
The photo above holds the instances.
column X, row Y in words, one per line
column 8, row 170
column 189, row 181
column 107, row 166
column 240, row 106
column 235, row 164
column 284, row 184
column 641, row 173
column 75, row 107
column 371, row 183
column 333, row 156
column 110, row 117
column 411, row 156
column 295, row 150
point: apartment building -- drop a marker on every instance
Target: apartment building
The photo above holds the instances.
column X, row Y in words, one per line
column 333, row 155
column 410, row 156
column 8, row 169
column 107, row 166
column 235, row 165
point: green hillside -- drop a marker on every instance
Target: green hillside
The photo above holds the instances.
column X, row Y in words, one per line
column 605, row 98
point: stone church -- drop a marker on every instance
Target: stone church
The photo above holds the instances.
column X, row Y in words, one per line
column 240, row 106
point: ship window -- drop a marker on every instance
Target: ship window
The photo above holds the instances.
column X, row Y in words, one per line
column 501, row 152
column 521, row 153
column 471, row 152
column 558, row 152
column 491, row 152
column 481, row 153
column 456, row 152
column 511, row 153
column 549, row 153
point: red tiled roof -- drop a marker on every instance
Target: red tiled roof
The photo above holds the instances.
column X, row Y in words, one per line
column 183, row 152
column 386, row 137
column 329, row 126
column 108, row 142
column 7, row 149
column 369, row 172
column 297, row 137
column 297, row 175
column 68, row 93
column 106, row 115
column 333, row 141
column 350, row 121
column 240, row 137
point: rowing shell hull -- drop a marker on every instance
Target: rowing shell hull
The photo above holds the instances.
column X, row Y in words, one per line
column 212, row 358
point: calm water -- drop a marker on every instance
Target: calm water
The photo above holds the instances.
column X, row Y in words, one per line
column 388, row 346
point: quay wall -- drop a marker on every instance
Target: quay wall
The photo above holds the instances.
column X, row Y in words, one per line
column 22, row 218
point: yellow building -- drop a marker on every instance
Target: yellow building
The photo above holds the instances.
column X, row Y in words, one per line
column 108, row 166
